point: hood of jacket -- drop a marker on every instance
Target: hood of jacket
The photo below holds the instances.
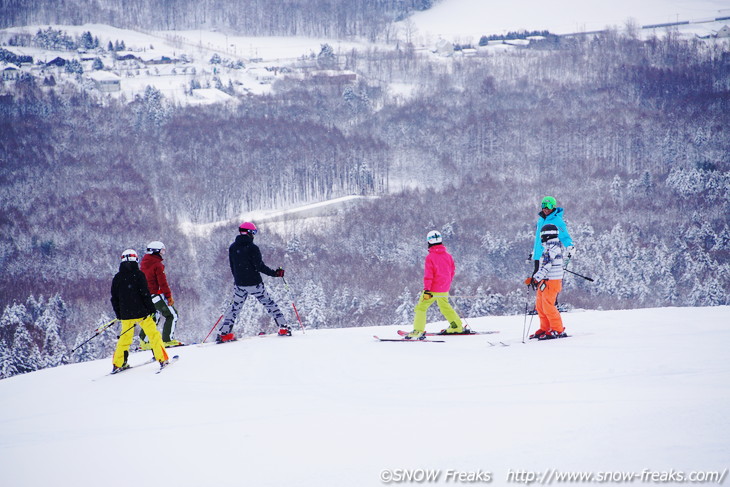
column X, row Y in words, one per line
column 243, row 239
column 128, row 266
column 558, row 213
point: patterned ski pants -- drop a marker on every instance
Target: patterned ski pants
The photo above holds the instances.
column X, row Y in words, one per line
column 240, row 295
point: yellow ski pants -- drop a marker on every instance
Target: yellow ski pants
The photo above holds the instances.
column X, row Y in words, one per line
column 419, row 322
column 126, row 336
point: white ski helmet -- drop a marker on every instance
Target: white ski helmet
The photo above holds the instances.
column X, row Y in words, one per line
column 434, row 237
column 129, row 255
column 155, row 246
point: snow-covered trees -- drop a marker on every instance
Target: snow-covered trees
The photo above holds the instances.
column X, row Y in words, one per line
column 315, row 18
column 30, row 335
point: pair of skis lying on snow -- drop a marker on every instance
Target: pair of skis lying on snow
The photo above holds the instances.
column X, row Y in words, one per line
column 404, row 333
column 430, row 340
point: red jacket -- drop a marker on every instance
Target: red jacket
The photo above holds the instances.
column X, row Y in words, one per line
column 154, row 271
column 440, row 270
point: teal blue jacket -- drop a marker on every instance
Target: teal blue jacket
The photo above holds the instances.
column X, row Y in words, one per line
column 556, row 218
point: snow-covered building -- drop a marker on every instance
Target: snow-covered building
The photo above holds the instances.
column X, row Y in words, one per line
column 105, row 81
column 724, row 32
column 9, row 71
column 262, row 75
column 334, row 77
column 444, row 48
column 209, row 96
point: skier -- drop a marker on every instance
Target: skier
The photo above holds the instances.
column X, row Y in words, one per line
column 132, row 305
column 548, row 280
column 551, row 213
column 438, row 274
column 246, row 266
column 154, row 271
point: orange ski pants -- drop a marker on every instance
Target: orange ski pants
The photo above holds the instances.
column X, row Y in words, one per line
column 545, row 305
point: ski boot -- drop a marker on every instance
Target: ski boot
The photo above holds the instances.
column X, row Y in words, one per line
column 116, row 370
column 173, row 343
column 416, row 334
column 143, row 345
column 538, row 334
column 225, row 337
column 453, row 329
column 285, row 331
column 164, row 363
column 552, row 334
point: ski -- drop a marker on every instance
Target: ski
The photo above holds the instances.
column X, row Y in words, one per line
column 404, row 340
column 537, row 339
column 140, row 349
column 551, row 339
column 501, row 344
column 152, row 360
column 439, row 334
column 169, row 363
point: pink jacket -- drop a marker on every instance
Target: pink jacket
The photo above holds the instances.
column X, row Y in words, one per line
column 440, row 270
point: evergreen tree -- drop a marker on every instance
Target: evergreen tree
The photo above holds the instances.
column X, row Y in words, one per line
column 54, row 351
column 326, row 58
column 25, row 354
column 87, row 41
column 7, row 365
column 314, row 305
column 404, row 312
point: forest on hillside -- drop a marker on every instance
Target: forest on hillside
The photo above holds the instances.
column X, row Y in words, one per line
column 630, row 136
column 370, row 19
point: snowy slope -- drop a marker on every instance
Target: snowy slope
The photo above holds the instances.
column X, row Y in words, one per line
column 468, row 20
column 632, row 390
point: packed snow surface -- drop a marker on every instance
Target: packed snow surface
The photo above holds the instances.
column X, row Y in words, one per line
column 629, row 391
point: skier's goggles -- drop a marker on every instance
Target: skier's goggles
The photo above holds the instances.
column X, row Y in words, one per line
column 549, row 206
column 248, row 230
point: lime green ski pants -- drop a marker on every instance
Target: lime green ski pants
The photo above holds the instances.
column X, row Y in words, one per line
column 419, row 321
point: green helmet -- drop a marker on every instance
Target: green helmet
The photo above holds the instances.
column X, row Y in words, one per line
column 549, row 202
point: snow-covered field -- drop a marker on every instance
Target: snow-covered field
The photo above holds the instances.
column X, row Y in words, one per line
column 631, row 391
column 468, row 20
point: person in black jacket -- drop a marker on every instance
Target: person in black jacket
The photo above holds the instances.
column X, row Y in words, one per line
column 132, row 305
column 246, row 267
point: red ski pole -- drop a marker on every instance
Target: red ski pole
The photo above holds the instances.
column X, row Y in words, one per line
column 211, row 330
column 296, row 312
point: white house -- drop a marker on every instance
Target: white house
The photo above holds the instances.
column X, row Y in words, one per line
column 9, row 71
column 106, row 81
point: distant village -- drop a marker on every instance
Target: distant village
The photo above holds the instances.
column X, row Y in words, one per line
column 51, row 57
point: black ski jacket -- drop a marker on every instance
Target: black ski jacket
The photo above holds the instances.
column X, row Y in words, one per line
column 246, row 262
column 131, row 299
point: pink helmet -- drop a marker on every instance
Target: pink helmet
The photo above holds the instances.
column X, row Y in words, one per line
column 247, row 227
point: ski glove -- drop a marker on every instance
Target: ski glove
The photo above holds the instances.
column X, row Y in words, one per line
column 279, row 272
column 530, row 281
column 427, row 295
column 569, row 253
column 170, row 301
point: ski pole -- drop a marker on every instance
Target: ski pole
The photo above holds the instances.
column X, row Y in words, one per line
column 130, row 328
column 527, row 302
column 524, row 321
column 211, row 330
column 579, row 275
column 296, row 312
column 105, row 326
column 101, row 329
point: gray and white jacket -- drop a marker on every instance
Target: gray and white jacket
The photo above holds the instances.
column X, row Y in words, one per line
column 551, row 261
